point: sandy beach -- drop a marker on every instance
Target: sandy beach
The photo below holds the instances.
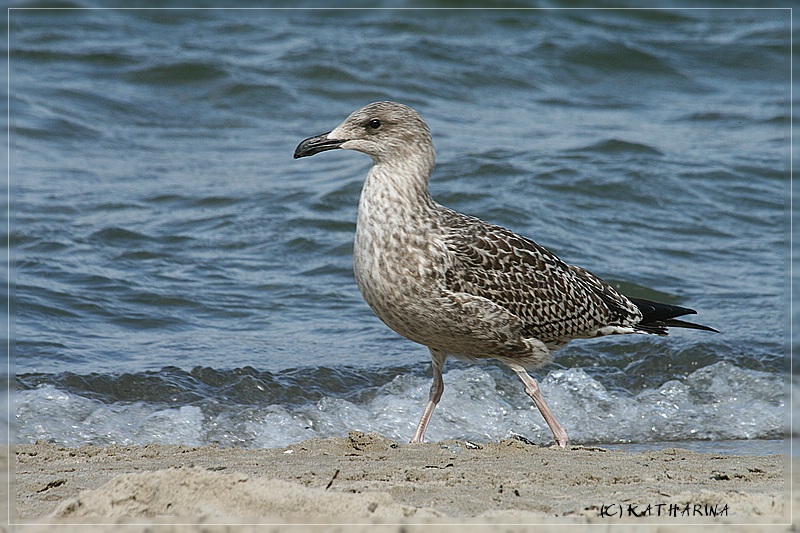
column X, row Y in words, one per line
column 368, row 479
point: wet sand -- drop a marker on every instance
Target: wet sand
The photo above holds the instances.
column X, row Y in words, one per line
column 367, row 479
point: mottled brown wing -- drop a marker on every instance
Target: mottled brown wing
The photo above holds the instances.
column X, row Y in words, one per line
column 558, row 302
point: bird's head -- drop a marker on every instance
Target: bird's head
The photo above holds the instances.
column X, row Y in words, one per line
column 386, row 131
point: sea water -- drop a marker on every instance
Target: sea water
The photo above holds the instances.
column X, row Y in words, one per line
column 178, row 278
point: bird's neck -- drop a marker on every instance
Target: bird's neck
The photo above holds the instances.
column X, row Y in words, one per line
column 399, row 186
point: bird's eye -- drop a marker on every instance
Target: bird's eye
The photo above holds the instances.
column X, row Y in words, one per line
column 374, row 124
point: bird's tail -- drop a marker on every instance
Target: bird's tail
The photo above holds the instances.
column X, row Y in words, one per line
column 658, row 317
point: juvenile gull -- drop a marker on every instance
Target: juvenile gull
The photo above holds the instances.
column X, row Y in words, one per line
column 459, row 285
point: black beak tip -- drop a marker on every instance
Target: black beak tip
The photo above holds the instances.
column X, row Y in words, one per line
column 304, row 149
column 315, row 145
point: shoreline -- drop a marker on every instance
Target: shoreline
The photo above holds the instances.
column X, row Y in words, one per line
column 369, row 478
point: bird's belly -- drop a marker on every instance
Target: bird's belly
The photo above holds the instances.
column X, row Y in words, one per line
column 397, row 297
column 408, row 295
column 401, row 283
column 422, row 320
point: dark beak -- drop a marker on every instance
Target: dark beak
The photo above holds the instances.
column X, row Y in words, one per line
column 317, row 144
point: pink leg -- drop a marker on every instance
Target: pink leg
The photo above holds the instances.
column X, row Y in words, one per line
column 437, row 362
column 532, row 390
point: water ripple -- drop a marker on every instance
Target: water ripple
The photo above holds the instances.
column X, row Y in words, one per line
column 174, row 263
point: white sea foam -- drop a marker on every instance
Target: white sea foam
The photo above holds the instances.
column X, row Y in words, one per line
column 718, row 402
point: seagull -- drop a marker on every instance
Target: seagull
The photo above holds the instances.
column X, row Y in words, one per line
column 461, row 286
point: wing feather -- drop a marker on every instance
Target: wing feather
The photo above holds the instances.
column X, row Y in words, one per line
column 556, row 301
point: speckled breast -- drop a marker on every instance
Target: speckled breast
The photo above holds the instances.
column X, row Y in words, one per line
column 399, row 269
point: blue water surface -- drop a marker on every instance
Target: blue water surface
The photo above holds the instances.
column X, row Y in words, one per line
column 178, row 277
